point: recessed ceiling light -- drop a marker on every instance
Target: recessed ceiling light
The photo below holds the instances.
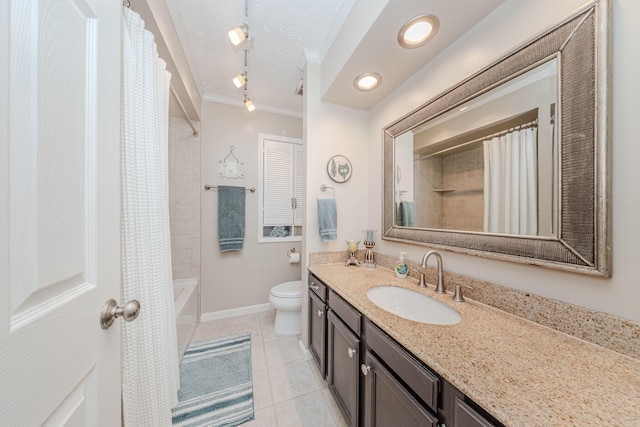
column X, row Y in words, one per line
column 367, row 81
column 418, row 31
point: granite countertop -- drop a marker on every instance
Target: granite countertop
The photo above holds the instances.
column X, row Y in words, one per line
column 522, row 373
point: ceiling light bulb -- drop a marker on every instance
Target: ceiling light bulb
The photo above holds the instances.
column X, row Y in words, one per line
column 367, row 81
column 239, row 80
column 249, row 104
column 238, row 35
column 418, row 31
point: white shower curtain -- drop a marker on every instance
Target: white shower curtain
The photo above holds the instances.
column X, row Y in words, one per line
column 150, row 376
column 510, row 183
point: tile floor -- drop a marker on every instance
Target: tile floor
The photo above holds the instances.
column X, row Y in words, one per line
column 287, row 387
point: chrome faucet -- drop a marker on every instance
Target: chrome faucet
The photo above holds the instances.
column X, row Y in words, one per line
column 440, row 286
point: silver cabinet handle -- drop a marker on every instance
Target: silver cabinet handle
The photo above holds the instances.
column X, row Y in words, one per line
column 365, row 369
column 314, row 287
column 111, row 311
column 320, row 313
column 351, row 352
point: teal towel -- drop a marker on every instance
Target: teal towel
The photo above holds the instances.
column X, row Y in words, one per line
column 231, row 203
column 407, row 217
column 328, row 219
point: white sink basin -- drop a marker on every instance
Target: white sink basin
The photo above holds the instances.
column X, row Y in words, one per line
column 413, row 305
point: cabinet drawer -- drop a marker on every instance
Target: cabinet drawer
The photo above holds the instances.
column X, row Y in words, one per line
column 349, row 315
column 318, row 287
column 387, row 402
column 418, row 378
column 465, row 415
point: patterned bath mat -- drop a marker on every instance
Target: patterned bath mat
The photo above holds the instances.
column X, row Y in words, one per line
column 216, row 387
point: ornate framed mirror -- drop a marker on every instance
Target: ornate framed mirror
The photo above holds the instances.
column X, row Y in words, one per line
column 565, row 224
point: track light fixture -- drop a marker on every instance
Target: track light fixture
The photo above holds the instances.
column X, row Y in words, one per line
column 240, row 80
column 237, row 36
column 248, row 103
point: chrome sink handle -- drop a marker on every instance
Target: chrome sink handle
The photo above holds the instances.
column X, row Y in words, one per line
column 457, row 294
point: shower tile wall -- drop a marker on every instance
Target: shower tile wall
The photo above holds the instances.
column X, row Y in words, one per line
column 463, row 208
column 428, row 177
column 184, row 198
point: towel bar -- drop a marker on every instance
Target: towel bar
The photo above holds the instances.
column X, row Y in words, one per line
column 213, row 187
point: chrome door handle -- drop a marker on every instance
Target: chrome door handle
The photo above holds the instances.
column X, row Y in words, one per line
column 320, row 313
column 314, row 287
column 111, row 311
column 351, row 352
column 365, row 369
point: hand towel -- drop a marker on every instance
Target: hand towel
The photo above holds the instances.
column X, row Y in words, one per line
column 407, row 214
column 231, row 207
column 328, row 219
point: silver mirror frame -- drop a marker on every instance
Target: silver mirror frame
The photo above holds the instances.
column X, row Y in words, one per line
column 581, row 44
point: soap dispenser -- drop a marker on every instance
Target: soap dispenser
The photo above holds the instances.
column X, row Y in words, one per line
column 402, row 269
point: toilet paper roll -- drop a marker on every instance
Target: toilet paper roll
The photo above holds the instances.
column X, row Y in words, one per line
column 293, row 258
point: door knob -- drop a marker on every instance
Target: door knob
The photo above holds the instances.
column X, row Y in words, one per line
column 111, row 311
column 351, row 352
column 320, row 313
column 365, row 369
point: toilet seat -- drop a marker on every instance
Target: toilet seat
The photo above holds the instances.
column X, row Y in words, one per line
column 288, row 290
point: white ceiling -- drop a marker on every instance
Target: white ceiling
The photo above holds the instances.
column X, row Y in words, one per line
column 288, row 32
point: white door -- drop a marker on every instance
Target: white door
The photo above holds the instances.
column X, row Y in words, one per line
column 59, row 211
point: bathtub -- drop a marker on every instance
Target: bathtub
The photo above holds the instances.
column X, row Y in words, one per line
column 185, row 294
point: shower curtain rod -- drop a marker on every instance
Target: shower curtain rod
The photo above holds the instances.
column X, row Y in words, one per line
column 531, row 124
column 175, row 95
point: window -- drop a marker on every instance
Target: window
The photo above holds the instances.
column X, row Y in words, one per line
column 280, row 199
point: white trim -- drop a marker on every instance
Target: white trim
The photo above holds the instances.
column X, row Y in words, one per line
column 237, row 102
column 304, row 351
column 297, row 146
column 240, row 311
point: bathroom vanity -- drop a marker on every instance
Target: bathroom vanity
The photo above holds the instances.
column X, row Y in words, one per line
column 373, row 379
column 490, row 369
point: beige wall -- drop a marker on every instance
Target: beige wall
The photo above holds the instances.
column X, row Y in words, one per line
column 510, row 25
column 184, row 198
column 331, row 130
column 233, row 280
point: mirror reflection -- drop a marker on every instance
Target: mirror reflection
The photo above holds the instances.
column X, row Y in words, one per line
column 488, row 165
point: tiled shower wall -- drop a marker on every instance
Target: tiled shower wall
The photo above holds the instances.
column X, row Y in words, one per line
column 184, row 198
column 427, row 177
column 449, row 191
column 463, row 208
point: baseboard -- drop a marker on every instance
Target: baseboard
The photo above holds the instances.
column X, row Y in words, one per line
column 304, row 350
column 251, row 309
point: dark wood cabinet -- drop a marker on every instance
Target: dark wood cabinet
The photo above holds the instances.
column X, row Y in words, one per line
column 373, row 379
column 343, row 357
column 387, row 402
column 466, row 416
column 318, row 331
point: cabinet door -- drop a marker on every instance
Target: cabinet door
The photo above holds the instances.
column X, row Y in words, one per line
column 278, row 168
column 343, row 367
column 317, row 331
column 298, row 205
column 387, row 402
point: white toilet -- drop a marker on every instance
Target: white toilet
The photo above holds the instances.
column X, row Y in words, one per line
column 287, row 299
